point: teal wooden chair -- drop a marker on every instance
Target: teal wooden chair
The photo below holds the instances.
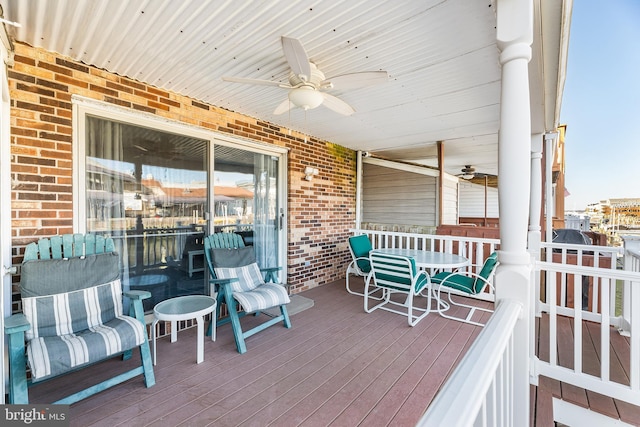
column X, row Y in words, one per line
column 225, row 240
column 395, row 274
column 73, row 316
column 466, row 283
column 237, row 281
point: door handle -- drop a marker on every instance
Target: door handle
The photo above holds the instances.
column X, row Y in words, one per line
column 9, row 270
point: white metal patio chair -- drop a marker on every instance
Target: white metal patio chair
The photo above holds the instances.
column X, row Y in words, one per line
column 467, row 283
column 398, row 274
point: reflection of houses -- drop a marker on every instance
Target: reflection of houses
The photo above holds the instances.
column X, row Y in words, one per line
column 115, row 194
column 106, row 188
column 189, row 200
column 178, row 201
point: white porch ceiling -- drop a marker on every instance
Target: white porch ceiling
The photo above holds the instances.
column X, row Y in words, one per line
column 441, row 56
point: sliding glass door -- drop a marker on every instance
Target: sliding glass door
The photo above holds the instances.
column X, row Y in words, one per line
column 148, row 189
column 159, row 187
column 246, row 199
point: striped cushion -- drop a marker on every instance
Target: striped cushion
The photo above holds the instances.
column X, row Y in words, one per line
column 53, row 355
column 71, row 312
column 262, row 297
column 249, row 277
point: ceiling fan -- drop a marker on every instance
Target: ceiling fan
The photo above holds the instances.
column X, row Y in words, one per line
column 468, row 172
column 307, row 84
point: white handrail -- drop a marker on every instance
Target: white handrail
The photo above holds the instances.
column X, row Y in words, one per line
column 599, row 382
column 480, row 392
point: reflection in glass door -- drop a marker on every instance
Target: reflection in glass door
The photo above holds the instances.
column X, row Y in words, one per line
column 246, row 199
column 149, row 190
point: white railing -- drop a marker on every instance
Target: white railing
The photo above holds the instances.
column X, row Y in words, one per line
column 569, row 271
column 574, row 256
column 480, row 391
column 631, row 263
column 563, row 332
column 595, row 256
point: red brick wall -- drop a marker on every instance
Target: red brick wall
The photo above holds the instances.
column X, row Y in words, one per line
column 41, row 85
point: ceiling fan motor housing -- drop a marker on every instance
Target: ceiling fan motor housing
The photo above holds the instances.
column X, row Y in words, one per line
column 315, row 79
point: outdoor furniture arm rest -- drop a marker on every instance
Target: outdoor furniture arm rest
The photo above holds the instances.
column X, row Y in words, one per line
column 136, row 310
column 270, row 273
column 16, row 323
column 137, row 295
column 216, row 283
column 451, row 284
column 223, row 281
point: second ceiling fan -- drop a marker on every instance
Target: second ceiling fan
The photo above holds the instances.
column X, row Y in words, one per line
column 307, row 84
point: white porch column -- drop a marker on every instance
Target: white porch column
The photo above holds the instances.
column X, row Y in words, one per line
column 535, row 208
column 513, row 276
column 535, row 203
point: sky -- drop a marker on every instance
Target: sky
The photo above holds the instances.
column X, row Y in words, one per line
column 601, row 102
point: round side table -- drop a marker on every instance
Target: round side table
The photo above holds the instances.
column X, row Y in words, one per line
column 185, row 308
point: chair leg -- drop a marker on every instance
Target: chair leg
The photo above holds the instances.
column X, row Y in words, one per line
column 366, row 279
column 285, row 315
column 384, row 299
column 147, row 364
column 471, row 310
column 235, row 321
column 18, row 391
column 414, row 319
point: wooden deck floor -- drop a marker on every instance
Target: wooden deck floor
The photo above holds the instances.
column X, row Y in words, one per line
column 337, row 366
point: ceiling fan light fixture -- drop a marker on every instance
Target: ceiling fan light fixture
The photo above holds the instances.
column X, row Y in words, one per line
column 305, row 97
column 468, row 172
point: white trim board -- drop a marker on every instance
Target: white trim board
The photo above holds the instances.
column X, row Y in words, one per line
column 576, row 416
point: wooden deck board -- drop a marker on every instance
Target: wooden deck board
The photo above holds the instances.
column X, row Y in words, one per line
column 337, row 366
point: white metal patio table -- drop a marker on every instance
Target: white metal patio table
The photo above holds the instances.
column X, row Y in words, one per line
column 429, row 259
column 185, row 308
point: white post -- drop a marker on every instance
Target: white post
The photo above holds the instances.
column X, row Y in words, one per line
column 359, row 168
column 535, row 206
column 548, row 189
column 513, row 276
column 535, row 203
column 630, row 243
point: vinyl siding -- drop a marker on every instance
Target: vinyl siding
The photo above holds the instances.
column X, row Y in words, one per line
column 450, row 202
column 472, row 201
column 392, row 196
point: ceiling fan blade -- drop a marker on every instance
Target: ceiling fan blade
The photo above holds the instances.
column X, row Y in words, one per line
column 255, row 82
column 337, row 105
column 296, row 57
column 355, row 80
column 283, row 107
